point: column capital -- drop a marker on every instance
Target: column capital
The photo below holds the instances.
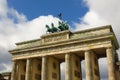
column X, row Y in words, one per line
column 28, row 58
column 109, row 47
column 45, row 56
column 67, row 54
column 87, row 50
column 14, row 60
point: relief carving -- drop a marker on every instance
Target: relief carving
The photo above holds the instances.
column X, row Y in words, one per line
column 55, row 38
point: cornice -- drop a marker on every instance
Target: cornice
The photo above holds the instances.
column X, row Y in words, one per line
column 70, row 41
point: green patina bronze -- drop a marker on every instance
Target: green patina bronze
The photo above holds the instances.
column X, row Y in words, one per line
column 48, row 28
column 52, row 29
column 62, row 25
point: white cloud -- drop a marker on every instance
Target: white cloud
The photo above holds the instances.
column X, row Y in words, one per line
column 5, row 67
column 3, row 8
column 91, row 19
column 107, row 9
column 14, row 27
column 101, row 12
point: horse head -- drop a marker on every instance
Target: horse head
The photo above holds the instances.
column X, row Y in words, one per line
column 47, row 26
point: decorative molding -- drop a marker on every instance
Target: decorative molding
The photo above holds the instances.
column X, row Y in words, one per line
column 66, row 41
column 64, row 36
column 63, row 49
column 55, row 37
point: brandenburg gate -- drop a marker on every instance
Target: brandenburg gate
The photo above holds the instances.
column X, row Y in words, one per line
column 40, row 59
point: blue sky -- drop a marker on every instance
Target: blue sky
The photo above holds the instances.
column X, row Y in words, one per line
column 22, row 20
column 71, row 10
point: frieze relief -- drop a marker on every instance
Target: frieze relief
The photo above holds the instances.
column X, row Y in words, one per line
column 54, row 38
column 69, row 47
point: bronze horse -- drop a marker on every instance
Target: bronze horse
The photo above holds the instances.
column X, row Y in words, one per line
column 52, row 29
column 63, row 26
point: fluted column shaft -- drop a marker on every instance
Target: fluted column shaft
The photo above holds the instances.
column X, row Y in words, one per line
column 68, row 67
column 111, row 63
column 28, row 69
column 13, row 75
column 88, row 65
column 44, row 68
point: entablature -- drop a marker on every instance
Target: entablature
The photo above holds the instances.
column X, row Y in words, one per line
column 49, row 41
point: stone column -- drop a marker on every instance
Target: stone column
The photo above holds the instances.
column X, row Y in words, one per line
column 95, row 67
column 68, row 67
column 88, row 65
column 111, row 63
column 44, row 68
column 28, row 69
column 116, row 66
column 13, row 75
column 76, row 73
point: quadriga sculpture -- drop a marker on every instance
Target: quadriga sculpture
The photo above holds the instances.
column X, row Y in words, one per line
column 54, row 29
column 62, row 25
column 51, row 29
